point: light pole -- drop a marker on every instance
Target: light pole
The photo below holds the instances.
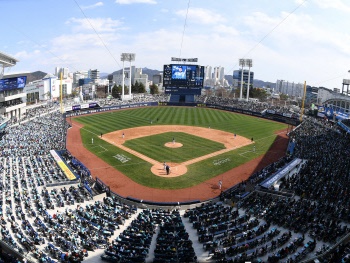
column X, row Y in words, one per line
column 241, row 63
column 249, row 63
column 127, row 57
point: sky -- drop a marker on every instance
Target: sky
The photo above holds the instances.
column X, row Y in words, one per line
column 292, row 40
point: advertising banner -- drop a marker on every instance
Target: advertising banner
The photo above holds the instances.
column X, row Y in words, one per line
column 69, row 174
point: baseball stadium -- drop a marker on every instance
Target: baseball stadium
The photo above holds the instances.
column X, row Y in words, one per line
column 190, row 173
column 152, row 180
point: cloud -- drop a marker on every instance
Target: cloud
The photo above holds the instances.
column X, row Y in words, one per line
column 129, row 2
column 78, row 51
column 98, row 4
column 334, row 4
column 21, row 55
column 227, row 30
column 99, row 24
column 201, row 16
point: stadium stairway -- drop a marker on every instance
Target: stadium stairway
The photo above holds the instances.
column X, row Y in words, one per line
column 202, row 255
column 152, row 247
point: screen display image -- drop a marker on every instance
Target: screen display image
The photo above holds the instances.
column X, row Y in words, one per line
column 13, row 83
column 21, row 82
column 180, row 75
column 178, row 72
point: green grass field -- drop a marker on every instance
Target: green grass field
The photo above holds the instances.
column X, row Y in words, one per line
column 263, row 132
column 193, row 147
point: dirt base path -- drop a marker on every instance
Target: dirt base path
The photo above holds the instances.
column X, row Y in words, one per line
column 124, row 186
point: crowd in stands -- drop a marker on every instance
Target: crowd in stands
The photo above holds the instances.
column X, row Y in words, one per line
column 250, row 105
column 63, row 223
column 36, row 137
column 173, row 243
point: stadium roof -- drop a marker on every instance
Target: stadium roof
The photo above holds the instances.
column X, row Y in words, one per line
column 7, row 61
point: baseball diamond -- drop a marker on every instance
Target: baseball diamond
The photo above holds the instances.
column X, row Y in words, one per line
column 136, row 145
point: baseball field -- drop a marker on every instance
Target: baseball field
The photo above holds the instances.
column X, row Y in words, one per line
column 197, row 143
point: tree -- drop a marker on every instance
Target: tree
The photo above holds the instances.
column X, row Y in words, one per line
column 220, row 92
column 116, row 91
column 47, row 95
column 283, row 96
column 138, row 87
column 258, row 93
column 153, row 89
column 134, row 87
column 142, row 88
column 75, row 93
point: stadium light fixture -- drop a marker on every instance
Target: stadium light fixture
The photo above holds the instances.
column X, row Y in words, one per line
column 242, row 64
column 249, row 64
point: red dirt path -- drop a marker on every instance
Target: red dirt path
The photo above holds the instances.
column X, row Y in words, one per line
column 124, row 186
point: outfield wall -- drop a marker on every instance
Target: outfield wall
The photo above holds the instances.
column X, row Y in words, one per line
column 275, row 117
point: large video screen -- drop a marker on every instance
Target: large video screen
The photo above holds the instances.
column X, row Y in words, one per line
column 181, row 75
column 13, row 83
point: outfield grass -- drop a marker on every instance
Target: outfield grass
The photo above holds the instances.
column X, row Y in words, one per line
column 263, row 132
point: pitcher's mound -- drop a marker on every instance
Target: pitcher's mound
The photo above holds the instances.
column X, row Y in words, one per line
column 175, row 170
column 173, row 145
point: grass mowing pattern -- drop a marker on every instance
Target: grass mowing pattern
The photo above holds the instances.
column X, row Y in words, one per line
column 193, row 146
column 138, row 170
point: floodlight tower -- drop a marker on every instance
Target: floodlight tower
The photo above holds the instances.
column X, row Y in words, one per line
column 127, row 57
column 249, row 63
column 241, row 63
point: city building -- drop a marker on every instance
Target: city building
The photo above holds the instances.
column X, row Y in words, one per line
column 237, row 76
column 208, row 72
column 47, row 88
column 118, row 76
column 219, row 76
column 81, row 74
column 311, row 95
column 141, row 78
column 94, row 75
column 63, row 71
column 215, row 78
column 157, row 79
column 293, row 90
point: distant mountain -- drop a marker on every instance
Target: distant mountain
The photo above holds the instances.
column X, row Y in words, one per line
column 261, row 83
column 35, row 76
column 103, row 75
column 150, row 72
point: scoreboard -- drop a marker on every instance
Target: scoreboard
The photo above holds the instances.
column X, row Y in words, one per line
column 183, row 76
column 13, row 83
